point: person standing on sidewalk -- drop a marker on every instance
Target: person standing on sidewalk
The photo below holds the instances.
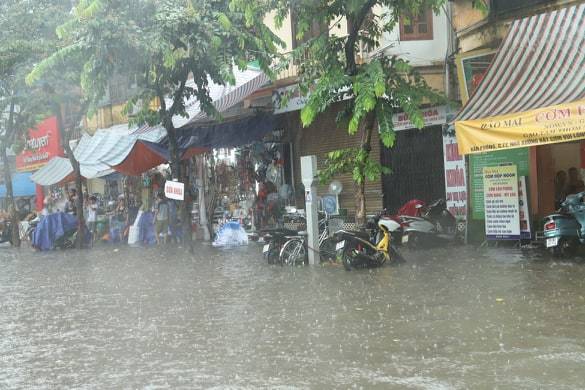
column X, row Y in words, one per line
column 161, row 218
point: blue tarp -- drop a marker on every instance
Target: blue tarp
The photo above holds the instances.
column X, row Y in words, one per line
column 222, row 135
column 51, row 228
column 146, row 233
column 22, row 185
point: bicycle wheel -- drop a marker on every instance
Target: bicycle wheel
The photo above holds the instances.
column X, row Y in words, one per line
column 293, row 252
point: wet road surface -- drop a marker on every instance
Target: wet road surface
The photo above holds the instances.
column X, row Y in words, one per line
column 148, row 318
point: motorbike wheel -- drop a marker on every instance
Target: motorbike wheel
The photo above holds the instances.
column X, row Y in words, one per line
column 396, row 256
column 565, row 248
column 347, row 260
column 293, row 252
column 327, row 250
column 273, row 252
column 414, row 241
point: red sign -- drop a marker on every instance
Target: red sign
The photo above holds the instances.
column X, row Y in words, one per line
column 43, row 143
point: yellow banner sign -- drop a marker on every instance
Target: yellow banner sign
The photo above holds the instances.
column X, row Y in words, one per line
column 549, row 125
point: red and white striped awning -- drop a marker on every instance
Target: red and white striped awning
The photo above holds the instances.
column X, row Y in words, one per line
column 540, row 63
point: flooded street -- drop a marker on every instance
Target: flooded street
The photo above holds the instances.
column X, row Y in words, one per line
column 147, row 318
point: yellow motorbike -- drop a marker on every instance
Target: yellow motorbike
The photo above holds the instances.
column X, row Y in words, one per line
column 361, row 249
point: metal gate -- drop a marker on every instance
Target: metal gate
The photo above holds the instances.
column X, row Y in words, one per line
column 416, row 160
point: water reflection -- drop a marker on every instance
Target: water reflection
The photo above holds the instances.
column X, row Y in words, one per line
column 151, row 318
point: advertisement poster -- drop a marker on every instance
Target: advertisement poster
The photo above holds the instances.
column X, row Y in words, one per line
column 502, row 209
column 43, row 143
column 524, row 212
column 561, row 123
column 455, row 178
column 518, row 157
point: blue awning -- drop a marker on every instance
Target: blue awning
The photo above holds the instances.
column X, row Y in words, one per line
column 22, row 185
column 229, row 134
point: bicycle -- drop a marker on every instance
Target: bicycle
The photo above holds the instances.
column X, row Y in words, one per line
column 295, row 249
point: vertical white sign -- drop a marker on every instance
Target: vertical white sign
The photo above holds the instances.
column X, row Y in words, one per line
column 455, row 178
column 502, row 211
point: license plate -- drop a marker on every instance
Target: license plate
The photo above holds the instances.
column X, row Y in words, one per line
column 405, row 239
column 550, row 242
column 339, row 245
column 265, row 248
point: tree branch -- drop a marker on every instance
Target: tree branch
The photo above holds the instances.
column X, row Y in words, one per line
column 356, row 24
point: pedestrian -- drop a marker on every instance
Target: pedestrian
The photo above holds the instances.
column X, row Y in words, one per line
column 71, row 204
column 161, row 218
column 576, row 184
column 91, row 215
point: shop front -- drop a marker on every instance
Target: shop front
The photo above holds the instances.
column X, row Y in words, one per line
column 417, row 161
column 523, row 129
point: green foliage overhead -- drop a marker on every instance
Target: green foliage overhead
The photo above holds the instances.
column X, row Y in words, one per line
column 27, row 34
column 372, row 86
column 159, row 45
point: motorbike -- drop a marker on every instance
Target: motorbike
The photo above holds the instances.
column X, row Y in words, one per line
column 274, row 239
column 565, row 229
column 434, row 225
column 359, row 249
column 6, row 233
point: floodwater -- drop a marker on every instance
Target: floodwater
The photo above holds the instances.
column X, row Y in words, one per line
column 160, row 319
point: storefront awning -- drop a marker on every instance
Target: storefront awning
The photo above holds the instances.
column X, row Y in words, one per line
column 229, row 134
column 102, row 153
column 534, row 91
column 59, row 171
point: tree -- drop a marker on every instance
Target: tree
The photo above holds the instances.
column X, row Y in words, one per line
column 161, row 45
column 377, row 87
column 26, row 34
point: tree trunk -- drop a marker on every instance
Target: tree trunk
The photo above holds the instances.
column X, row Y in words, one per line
column 367, row 126
column 78, row 179
column 186, row 216
column 12, row 209
column 175, row 154
column 203, row 224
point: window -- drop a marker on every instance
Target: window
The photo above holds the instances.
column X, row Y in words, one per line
column 315, row 29
column 417, row 28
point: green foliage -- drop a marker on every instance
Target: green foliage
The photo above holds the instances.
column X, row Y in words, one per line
column 380, row 86
column 27, row 33
column 351, row 161
column 172, row 49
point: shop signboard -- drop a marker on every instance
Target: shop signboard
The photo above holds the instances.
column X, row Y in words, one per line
column 502, row 210
column 174, row 190
column 549, row 125
column 455, row 177
column 471, row 69
column 42, row 144
column 518, row 157
column 432, row 116
column 524, row 212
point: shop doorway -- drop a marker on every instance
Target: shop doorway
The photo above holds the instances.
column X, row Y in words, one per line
column 552, row 159
column 417, row 167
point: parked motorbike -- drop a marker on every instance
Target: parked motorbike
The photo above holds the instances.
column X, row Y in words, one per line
column 565, row 229
column 6, row 233
column 358, row 250
column 274, row 239
column 436, row 225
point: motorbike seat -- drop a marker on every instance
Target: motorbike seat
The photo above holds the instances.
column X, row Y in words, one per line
column 362, row 234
